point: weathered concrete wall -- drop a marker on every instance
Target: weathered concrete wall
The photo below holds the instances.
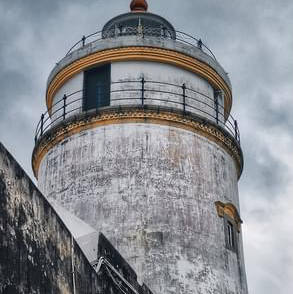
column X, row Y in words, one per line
column 107, row 251
column 35, row 246
column 169, row 94
column 75, row 84
column 152, row 190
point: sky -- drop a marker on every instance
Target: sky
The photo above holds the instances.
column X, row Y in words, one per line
column 252, row 40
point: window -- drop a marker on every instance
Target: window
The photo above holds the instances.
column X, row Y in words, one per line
column 230, row 235
column 232, row 223
column 97, row 87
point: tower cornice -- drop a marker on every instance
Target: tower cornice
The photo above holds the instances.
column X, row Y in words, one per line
column 136, row 114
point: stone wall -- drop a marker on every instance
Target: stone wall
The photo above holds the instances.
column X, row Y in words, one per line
column 36, row 249
column 38, row 254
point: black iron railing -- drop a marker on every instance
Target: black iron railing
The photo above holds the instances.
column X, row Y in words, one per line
column 144, row 93
column 143, row 31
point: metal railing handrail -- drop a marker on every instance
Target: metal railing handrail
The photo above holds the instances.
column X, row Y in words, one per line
column 209, row 107
column 144, row 31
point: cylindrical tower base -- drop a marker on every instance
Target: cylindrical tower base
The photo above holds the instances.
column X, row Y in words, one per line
column 151, row 189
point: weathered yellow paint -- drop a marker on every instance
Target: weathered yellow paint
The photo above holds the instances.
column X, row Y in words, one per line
column 229, row 209
column 137, row 116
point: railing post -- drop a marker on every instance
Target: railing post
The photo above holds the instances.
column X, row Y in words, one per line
column 139, row 28
column 120, row 30
column 116, row 31
column 164, row 32
column 184, row 96
column 236, row 130
column 199, row 44
column 142, row 91
column 42, row 124
column 217, row 107
column 83, row 40
column 64, row 106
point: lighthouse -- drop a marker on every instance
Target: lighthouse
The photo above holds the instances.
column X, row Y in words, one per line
column 138, row 141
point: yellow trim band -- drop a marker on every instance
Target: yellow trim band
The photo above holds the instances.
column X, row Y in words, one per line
column 138, row 116
column 144, row 54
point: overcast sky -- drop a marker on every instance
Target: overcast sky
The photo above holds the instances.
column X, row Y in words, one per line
column 252, row 39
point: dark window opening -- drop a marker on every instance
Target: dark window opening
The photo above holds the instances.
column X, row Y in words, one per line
column 230, row 234
column 230, row 231
column 97, row 87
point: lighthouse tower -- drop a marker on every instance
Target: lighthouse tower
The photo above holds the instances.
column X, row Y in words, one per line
column 138, row 141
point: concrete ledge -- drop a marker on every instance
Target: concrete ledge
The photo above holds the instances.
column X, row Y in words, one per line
column 132, row 114
column 139, row 41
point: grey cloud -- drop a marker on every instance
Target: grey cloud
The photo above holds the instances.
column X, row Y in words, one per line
column 252, row 39
column 14, row 85
column 273, row 115
column 264, row 175
column 36, row 11
column 266, row 111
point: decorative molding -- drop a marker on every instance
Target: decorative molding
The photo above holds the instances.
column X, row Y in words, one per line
column 229, row 210
column 144, row 54
column 88, row 121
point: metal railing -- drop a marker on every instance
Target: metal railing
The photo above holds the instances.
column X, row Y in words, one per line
column 144, row 93
column 115, row 275
column 143, row 31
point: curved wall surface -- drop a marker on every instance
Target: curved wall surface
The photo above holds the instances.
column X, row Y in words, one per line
column 152, row 190
column 160, row 181
column 163, row 87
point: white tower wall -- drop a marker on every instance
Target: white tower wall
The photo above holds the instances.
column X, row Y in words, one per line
column 164, row 80
column 151, row 189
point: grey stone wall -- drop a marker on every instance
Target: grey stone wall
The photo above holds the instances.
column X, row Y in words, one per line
column 35, row 246
column 151, row 189
column 37, row 252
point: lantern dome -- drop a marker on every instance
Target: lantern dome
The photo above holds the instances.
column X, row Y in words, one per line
column 139, row 20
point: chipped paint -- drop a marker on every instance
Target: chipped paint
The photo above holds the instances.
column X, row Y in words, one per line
column 152, row 190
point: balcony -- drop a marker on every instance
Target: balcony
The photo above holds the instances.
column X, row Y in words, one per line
column 144, row 32
column 141, row 94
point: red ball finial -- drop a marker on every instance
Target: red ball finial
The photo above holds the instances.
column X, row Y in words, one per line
column 138, row 5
